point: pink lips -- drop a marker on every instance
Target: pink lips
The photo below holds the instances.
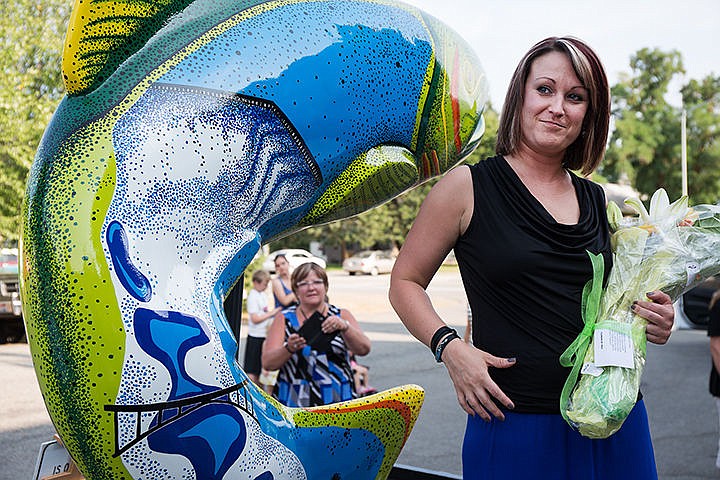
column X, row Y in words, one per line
column 555, row 124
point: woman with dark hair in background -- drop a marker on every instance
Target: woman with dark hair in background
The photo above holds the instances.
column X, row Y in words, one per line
column 284, row 297
column 283, row 294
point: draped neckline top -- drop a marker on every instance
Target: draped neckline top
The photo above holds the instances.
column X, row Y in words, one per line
column 523, row 273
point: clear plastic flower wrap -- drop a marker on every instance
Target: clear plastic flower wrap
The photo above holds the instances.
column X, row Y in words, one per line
column 670, row 248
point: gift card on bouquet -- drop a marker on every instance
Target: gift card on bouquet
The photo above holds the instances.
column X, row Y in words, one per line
column 613, row 347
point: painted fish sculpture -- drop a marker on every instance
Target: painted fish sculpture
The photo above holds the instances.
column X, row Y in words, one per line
column 192, row 133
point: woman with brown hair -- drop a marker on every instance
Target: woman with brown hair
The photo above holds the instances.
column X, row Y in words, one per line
column 521, row 224
column 282, row 293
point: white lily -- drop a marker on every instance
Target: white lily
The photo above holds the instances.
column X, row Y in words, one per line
column 661, row 210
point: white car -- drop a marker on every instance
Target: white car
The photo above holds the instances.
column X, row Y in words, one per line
column 295, row 257
column 369, row 261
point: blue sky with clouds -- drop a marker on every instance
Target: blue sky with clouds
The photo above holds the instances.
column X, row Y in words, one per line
column 502, row 31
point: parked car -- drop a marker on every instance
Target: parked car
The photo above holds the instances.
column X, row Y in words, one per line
column 11, row 322
column 691, row 309
column 295, row 257
column 369, row 261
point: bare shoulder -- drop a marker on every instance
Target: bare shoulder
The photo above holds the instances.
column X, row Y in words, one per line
column 452, row 196
column 458, row 177
column 442, row 218
column 346, row 314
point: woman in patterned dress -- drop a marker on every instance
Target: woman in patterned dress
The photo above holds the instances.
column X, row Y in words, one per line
column 313, row 372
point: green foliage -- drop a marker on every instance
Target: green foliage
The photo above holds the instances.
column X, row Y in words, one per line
column 382, row 227
column 32, row 33
column 646, row 143
column 646, row 140
column 702, row 101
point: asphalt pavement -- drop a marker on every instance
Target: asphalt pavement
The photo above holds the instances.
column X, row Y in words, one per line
column 683, row 416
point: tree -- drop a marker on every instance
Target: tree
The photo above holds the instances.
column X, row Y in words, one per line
column 32, row 33
column 645, row 144
column 702, row 101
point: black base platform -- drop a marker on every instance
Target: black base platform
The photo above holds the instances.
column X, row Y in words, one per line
column 403, row 472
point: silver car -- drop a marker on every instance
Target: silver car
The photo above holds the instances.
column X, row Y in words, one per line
column 371, row 262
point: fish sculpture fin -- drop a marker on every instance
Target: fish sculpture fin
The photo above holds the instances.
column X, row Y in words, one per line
column 101, row 35
column 373, row 178
column 388, row 415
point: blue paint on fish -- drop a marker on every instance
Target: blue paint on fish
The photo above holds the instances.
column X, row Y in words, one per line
column 168, row 337
column 339, row 114
column 212, row 437
column 130, row 277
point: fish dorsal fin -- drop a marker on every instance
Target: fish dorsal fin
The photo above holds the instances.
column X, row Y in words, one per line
column 374, row 177
column 102, row 34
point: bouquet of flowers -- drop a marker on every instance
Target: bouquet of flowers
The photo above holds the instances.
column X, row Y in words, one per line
column 670, row 248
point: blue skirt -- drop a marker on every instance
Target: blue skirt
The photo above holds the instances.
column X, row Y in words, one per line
column 544, row 446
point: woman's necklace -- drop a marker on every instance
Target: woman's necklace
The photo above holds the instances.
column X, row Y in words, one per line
column 305, row 315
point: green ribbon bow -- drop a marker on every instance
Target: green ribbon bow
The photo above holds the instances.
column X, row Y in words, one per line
column 575, row 353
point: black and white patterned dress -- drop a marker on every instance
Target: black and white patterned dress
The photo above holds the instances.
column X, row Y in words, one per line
column 310, row 378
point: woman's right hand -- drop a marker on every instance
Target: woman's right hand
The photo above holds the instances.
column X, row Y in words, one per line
column 277, row 349
column 295, row 343
column 475, row 390
column 443, row 217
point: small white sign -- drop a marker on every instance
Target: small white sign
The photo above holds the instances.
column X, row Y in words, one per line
column 613, row 348
column 54, row 462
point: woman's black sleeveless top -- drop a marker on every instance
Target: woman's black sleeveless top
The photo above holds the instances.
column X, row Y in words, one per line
column 524, row 274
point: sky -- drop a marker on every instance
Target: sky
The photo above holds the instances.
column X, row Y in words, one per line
column 501, row 31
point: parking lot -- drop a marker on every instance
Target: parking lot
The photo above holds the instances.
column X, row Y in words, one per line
column 683, row 417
